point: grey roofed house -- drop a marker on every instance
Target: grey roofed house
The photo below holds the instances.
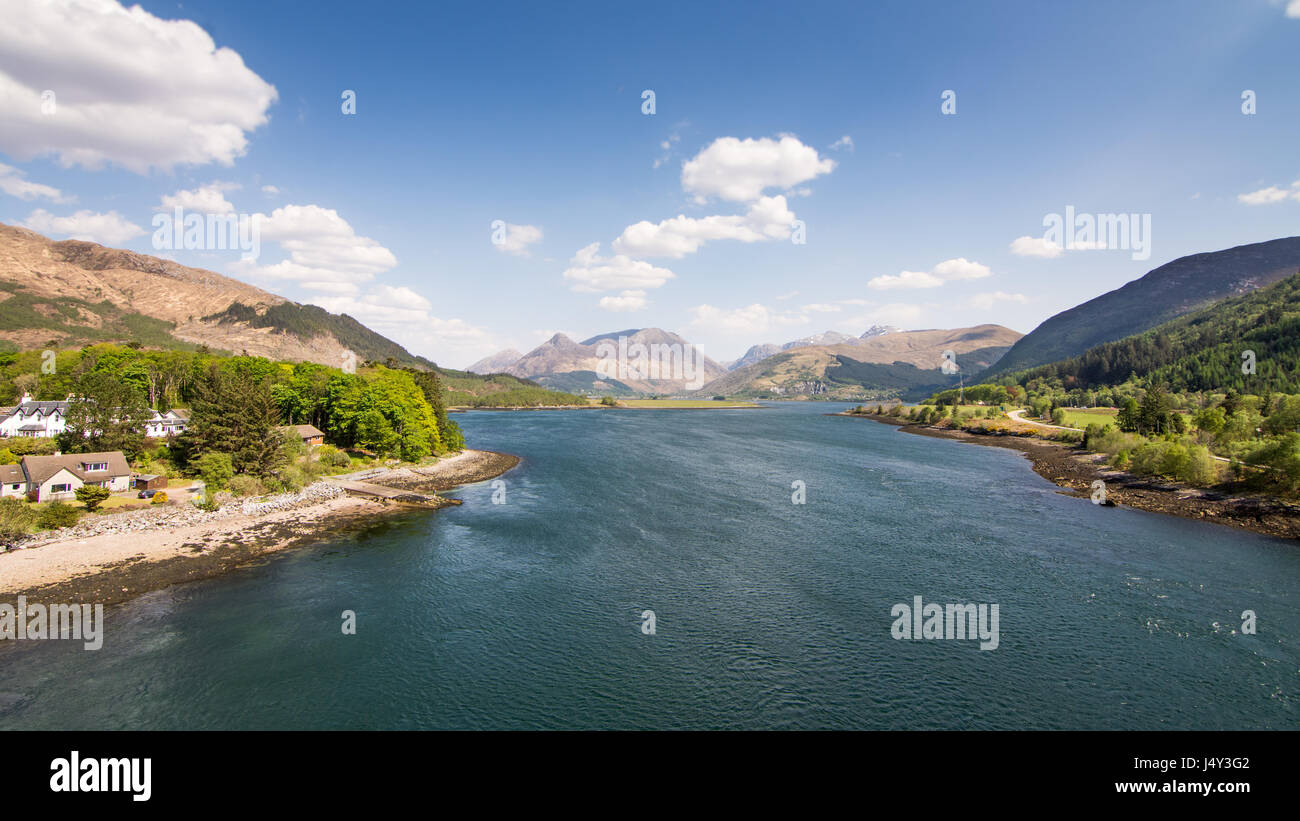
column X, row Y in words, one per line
column 12, row 475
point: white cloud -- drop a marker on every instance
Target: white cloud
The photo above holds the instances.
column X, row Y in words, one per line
column 270, row 190
column 740, row 170
column 518, row 238
column 667, row 146
column 129, row 88
column 822, row 308
column 905, row 280
column 750, row 320
column 1272, row 194
column 13, row 184
column 788, row 295
column 591, row 273
column 768, row 218
column 403, row 315
column 947, row 271
column 985, row 301
column 107, row 229
column 1293, row 9
column 843, row 142
column 1036, row 247
column 325, row 253
column 206, row 199
column 626, row 301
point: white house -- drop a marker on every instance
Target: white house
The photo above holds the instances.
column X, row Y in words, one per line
column 167, row 424
column 32, row 418
column 13, row 481
column 46, row 419
column 58, row 477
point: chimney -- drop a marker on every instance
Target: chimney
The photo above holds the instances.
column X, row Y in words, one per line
column 27, row 397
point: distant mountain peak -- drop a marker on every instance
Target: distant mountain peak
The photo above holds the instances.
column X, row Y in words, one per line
column 496, row 363
column 880, row 330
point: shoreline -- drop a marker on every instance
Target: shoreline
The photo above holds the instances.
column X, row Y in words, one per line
column 1075, row 470
column 114, row 566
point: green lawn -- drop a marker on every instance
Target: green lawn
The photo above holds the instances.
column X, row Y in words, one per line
column 1077, row 418
column 687, row 403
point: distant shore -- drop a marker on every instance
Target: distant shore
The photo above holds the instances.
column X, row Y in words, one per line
column 1075, row 469
column 74, row 566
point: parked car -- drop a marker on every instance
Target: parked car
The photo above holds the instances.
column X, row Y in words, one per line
column 145, row 494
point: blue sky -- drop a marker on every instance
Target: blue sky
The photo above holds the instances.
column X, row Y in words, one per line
column 531, row 114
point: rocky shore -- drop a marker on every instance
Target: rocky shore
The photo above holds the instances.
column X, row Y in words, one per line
column 1075, row 469
column 110, row 558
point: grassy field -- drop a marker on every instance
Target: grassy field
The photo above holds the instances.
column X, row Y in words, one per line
column 686, row 403
column 1076, row 418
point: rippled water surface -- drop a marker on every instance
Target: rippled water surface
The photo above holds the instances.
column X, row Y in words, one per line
column 769, row 614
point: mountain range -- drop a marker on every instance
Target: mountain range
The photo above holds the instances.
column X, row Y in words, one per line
column 882, row 365
column 562, row 364
column 71, row 293
column 760, row 352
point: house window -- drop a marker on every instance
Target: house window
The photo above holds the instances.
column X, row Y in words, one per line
column 96, row 466
column 62, row 488
column 15, row 487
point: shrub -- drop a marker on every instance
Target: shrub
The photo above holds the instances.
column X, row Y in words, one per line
column 92, row 496
column 56, row 515
column 215, row 469
column 333, row 457
column 159, row 498
column 16, row 520
column 242, row 485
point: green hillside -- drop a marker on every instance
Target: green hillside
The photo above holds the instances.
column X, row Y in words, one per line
column 307, row 321
column 1199, row 352
column 73, row 322
column 1175, row 289
column 471, row 390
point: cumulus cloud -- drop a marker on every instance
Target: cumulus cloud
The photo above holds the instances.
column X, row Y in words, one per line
column 769, row 218
column 107, row 229
column 591, row 273
column 206, row 199
column 1272, row 194
column 517, row 238
column 750, row 320
column 128, row 88
column 1036, row 247
column 1293, row 8
column 403, row 315
column 627, row 301
column 905, row 280
column 741, row 170
column 985, row 301
column 13, row 184
column 325, row 253
column 947, row 271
